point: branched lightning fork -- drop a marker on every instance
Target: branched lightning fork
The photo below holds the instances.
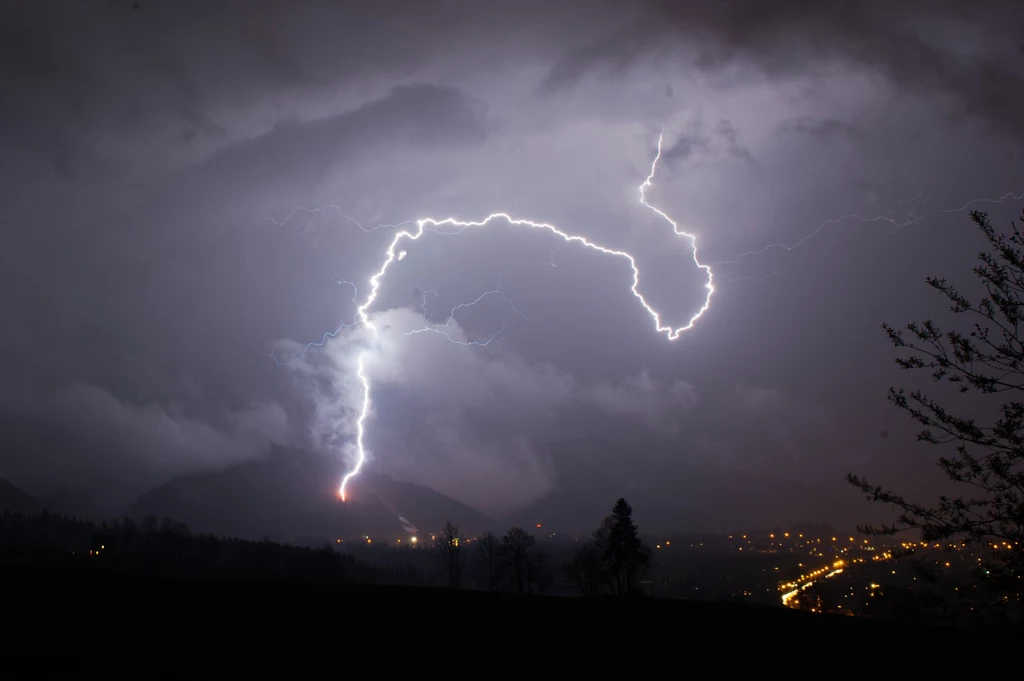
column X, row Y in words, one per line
column 452, row 226
column 912, row 220
column 287, row 218
column 442, row 329
column 329, row 334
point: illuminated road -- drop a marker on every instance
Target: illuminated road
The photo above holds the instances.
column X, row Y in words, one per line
column 791, row 589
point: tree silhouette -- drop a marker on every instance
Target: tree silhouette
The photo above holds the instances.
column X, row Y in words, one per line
column 516, row 546
column 539, row 574
column 986, row 360
column 625, row 556
column 488, row 561
column 452, row 554
column 586, row 570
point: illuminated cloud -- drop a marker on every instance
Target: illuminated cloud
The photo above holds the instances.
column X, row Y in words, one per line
column 444, row 413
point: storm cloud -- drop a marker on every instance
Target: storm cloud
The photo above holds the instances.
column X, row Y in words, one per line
column 190, row 187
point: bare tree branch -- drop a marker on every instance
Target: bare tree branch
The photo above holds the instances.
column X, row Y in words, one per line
column 989, row 456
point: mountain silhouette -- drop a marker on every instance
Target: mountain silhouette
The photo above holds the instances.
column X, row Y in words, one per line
column 292, row 497
column 14, row 499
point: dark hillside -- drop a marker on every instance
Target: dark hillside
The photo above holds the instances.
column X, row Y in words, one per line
column 257, row 618
column 292, row 497
column 14, row 499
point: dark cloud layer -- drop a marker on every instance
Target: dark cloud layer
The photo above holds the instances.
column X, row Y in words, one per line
column 152, row 258
column 968, row 53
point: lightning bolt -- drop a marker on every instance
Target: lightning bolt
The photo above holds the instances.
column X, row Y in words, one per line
column 451, row 226
column 913, row 219
column 441, row 329
column 287, row 218
column 673, row 334
column 360, row 426
column 329, row 334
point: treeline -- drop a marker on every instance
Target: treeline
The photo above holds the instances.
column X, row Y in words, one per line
column 167, row 549
column 610, row 563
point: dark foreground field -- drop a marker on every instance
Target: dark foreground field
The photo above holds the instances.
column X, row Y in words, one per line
column 90, row 612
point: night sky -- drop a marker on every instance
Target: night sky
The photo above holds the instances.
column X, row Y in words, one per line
column 155, row 270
